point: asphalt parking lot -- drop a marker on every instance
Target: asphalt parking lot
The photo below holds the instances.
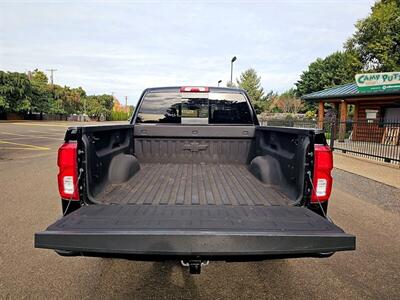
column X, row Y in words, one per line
column 19, row 140
column 30, row 202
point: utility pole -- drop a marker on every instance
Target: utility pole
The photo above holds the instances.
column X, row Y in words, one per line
column 52, row 84
column 84, row 106
column 126, row 104
column 51, row 75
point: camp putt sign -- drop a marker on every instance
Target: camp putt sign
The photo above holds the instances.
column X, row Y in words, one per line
column 378, row 81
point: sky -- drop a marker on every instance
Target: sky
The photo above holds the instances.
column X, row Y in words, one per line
column 123, row 47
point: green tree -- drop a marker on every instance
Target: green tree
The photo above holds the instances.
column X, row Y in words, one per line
column 41, row 96
column 268, row 102
column 38, row 77
column 99, row 105
column 122, row 115
column 376, row 42
column 15, row 91
column 70, row 99
column 251, row 83
column 336, row 69
column 74, row 99
column 20, row 92
column 288, row 102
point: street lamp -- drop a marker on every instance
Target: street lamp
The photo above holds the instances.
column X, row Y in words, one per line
column 232, row 61
column 219, row 81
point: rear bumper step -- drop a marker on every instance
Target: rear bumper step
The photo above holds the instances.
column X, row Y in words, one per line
column 213, row 244
column 184, row 231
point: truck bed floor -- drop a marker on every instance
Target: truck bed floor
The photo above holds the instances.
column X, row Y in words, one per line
column 193, row 184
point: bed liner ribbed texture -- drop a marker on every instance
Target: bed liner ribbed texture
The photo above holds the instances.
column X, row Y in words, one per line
column 193, row 184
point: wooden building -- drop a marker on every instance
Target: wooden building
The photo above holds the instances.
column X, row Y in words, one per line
column 374, row 111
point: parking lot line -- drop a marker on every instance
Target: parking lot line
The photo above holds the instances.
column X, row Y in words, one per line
column 43, row 154
column 22, row 146
column 48, row 133
column 29, row 136
column 19, row 148
column 48, row 130
column 45, row 125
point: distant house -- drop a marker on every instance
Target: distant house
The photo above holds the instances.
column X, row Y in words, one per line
column 373, row 109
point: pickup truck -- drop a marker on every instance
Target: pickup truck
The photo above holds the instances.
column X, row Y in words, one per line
column 194, row 177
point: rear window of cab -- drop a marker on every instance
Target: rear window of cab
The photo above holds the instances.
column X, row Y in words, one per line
column 194, row 108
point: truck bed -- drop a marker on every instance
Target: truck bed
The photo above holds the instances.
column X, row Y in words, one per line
column 193, row 184
column 192, row 192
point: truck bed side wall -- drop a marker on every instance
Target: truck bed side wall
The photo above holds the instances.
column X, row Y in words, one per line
column 109, row 156
column 280, row 158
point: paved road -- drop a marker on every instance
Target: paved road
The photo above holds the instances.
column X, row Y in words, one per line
column 29, row 202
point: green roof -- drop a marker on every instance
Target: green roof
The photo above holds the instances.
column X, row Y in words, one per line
column 345, row 91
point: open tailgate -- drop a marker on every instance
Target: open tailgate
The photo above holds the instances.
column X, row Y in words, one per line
column 207, row 231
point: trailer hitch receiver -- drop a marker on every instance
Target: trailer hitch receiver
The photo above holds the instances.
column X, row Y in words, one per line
column 194, row 265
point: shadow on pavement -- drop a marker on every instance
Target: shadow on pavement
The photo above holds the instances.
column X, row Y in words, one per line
column 155, row 280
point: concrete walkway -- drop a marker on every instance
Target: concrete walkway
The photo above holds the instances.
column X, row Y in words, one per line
column 387, row 174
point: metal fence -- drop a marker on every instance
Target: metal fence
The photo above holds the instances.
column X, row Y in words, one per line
column 372, row 139
column 368, row 138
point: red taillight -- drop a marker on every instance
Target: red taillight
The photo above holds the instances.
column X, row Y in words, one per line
column 68, row 171
column 195, row 89
column 322, row 181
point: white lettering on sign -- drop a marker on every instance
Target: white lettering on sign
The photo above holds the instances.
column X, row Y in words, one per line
column 378, row 81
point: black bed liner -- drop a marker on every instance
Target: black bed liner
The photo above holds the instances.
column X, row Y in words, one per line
column 194, row 184
column 193, row 231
